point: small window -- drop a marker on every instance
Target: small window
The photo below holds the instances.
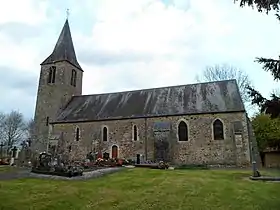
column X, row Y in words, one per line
column 78, row 134
column 73, row 77
column 105, row 134
column 52, row 73
column 183, row 131
column 135, row 133
column 47, row 121
column 218, row 130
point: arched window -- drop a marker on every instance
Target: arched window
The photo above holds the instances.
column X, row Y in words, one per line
column 78, row 134
column 73, row 77
column 105, row 134
column 52, row 72
column 183, row 131
column 218, row 130
column 135, row 133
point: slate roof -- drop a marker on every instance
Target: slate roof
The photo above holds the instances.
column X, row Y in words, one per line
column 64, row 48
column 212, row 97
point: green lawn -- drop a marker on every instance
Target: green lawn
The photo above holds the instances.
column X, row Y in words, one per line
column 138, row 189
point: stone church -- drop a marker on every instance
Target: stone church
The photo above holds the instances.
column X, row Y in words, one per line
column 203, row 123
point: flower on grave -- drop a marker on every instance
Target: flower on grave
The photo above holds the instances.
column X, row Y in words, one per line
column 100, row 159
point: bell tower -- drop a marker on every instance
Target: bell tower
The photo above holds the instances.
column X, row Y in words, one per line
column 60, row 79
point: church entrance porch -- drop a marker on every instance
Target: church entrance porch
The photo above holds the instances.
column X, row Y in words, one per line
column 114, row 151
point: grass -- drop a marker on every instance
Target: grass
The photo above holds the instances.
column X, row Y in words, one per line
column 142, row 189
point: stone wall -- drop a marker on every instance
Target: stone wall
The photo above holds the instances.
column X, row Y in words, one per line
column 51, row 98
column 199, row 149
column 272, row 159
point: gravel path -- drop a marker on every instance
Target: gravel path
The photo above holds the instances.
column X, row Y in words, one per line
column 86, row 175
column 15, row 174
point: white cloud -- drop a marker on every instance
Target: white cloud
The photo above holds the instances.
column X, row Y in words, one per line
column 24, row 11
column 17, row 55
column 150, row 31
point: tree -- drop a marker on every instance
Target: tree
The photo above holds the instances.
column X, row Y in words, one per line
column 267, row 131
column 2, row 117
column 224, row 72
column 13, row 127
column 270, row 106
column 261, row 5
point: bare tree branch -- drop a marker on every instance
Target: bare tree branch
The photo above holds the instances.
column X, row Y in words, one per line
column 276, row 92
column 225, row 72
column 13, row 127
column 2, row 118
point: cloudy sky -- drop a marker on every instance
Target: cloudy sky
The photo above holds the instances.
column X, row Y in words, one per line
column 125, row 44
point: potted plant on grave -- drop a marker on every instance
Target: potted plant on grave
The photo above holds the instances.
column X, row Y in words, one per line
column 163, row 165
column 111, row 162
column 120, row 162
column 100, row 162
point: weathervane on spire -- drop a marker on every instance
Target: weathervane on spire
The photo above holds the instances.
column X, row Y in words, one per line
column 67, row 14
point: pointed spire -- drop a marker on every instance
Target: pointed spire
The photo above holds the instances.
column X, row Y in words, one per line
column 64, row 48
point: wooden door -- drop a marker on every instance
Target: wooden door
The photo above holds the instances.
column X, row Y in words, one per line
column 114, row 151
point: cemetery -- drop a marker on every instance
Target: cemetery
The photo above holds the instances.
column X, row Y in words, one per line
column 41, row 181
column 55, row 165
column 58, row 164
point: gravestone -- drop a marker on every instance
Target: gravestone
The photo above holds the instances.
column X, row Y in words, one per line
column 14, row 150
column 24, row 155
column 162, row 135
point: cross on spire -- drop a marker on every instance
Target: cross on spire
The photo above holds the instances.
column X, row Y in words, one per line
column 67, row 14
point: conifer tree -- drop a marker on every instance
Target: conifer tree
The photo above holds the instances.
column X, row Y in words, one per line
column 270, row 106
